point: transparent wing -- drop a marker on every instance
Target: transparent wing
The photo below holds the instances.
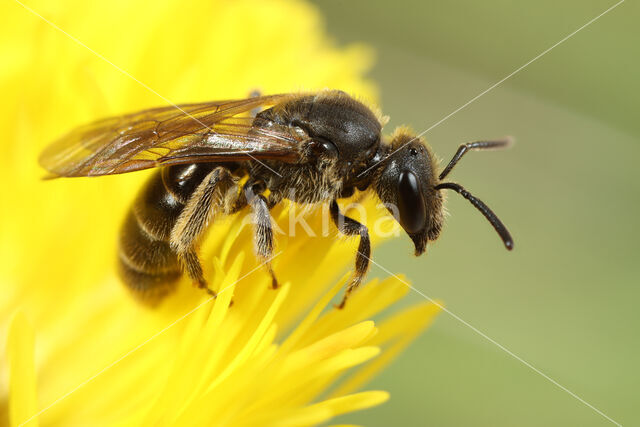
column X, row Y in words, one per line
column 191, row 133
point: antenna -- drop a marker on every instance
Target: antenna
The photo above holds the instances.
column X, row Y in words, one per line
column 484, row 209
column 473, row 146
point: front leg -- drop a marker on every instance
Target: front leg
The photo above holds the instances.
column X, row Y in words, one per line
column 351, row 227
column 212, row 195
column 263, row 230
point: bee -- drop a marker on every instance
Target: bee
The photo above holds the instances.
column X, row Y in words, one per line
column 216, row 158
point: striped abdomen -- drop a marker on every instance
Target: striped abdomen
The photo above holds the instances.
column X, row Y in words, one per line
column 147, row 263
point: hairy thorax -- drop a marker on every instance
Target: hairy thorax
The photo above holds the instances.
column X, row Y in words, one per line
column 304, row 183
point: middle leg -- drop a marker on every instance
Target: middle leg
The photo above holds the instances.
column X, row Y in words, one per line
column 263, row 229
column 351, row 227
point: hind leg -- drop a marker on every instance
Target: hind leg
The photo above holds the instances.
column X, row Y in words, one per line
column 215, row 194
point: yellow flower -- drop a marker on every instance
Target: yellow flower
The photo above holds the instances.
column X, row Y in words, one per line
column 79, row 349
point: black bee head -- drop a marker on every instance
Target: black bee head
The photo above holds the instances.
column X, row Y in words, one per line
column 406, row 184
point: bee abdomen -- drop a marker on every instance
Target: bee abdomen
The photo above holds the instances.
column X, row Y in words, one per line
column 147, row 263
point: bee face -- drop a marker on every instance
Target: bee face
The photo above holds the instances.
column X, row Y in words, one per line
column 406, row 184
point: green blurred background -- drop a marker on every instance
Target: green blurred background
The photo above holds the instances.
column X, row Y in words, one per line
column 565, row 300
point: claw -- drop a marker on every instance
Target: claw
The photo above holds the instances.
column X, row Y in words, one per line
column 274, row 281
column 352, row 286
column 202, row 284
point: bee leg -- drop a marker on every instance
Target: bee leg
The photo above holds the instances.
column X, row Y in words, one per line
column 351, row 227
column 263, row 229
column 212, row 195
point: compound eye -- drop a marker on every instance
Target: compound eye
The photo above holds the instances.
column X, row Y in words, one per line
column 411, row 206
